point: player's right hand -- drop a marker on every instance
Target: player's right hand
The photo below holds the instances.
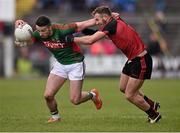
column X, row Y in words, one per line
column 115, row 15
column 19, row 23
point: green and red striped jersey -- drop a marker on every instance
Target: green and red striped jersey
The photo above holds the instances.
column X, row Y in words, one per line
column 64, row 53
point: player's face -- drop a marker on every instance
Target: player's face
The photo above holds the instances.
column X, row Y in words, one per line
column 44, row 31
column 100, row 19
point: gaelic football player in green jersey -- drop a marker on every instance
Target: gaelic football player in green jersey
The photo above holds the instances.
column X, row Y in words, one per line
column 69, row 62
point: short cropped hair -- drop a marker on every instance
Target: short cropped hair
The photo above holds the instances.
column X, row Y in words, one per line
column 43, row 21
column 102, row 10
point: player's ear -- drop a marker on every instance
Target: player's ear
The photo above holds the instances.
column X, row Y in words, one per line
column 49, row 27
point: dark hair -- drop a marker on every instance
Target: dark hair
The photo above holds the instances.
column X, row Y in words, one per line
column 102, row 10
column 43, row 21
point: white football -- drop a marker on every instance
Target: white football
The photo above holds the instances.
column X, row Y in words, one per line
column 23, row 33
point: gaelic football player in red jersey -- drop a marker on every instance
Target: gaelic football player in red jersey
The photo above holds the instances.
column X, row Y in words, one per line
column 69, row 62
column 139, row 64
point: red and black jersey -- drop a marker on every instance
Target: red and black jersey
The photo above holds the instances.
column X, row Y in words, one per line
column 124, row 37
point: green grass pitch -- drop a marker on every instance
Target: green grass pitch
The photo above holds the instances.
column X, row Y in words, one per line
column 22, row 108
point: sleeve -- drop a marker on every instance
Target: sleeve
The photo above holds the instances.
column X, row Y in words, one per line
column 110, row 28
column 66, row 29
column 88, row 31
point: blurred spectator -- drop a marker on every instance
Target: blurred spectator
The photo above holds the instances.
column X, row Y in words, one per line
column 78, row 5
column 1, row 59
column 155, row 49
column 128, row 6
column 5, row 30
column 96, row 49
column 40, row 58
column 103, row 47
column 24, row 65
column 153, row 46
column 92, row 4
column 1, row 48
column 1, row 27
column 161, row 21
column 158, row 27
column 160, row 5
column 49, row 4
column 24, row 7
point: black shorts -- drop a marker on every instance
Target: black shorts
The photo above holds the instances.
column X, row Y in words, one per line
column 139, row 67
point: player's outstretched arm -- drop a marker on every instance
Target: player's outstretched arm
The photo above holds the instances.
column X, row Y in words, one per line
column 88, row 40
column 85, row 40
column 85, row 24
column 91, row 22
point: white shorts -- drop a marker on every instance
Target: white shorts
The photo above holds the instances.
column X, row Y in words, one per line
column 74, row 71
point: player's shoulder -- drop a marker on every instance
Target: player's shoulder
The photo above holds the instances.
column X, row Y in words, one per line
column 36, row 34
column 110, row 26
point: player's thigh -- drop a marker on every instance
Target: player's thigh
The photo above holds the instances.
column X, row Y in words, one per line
column 123, row 82
column 75, row 89
column 54, row 83
column 133, row 86
column 76, row 76
column 76, row 71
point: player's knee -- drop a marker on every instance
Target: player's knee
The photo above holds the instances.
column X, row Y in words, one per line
column 48, row 96
column 75, row 101
column 129, row 96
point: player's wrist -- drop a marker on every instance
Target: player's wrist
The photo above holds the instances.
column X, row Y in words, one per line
column 69, row 39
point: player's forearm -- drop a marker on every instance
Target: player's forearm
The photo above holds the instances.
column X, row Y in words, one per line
column 85, row 40
column 88, row 40
column 85, row 24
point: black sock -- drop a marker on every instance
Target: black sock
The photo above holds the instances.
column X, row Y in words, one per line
column 149, row 101
column 90, row 95
column 151, row 112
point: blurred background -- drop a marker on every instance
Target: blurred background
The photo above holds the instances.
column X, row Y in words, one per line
column 157, row 22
